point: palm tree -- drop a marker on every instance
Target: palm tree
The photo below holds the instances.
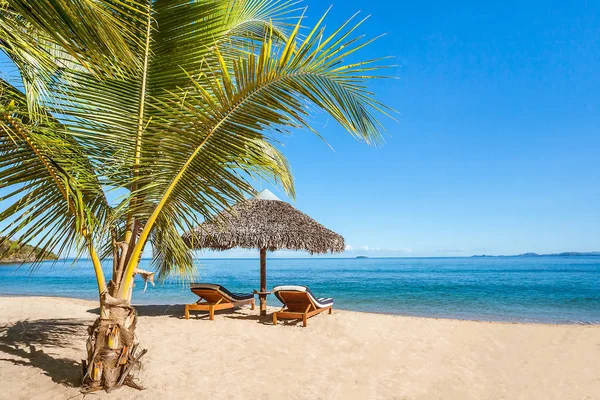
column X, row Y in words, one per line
column 176, row 105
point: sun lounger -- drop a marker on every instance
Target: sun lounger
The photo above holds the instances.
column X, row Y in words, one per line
column 216, row 297
column 299, row 303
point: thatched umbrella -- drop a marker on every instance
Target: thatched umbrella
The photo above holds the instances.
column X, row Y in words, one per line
column 266, row 223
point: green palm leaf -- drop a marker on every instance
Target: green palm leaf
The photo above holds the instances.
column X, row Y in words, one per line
column 54, row 195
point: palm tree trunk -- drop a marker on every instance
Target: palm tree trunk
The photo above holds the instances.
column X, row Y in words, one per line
column 112, row 351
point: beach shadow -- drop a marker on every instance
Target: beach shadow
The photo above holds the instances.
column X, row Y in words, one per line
column 26, row 341
column 153, row 310
column 264, row 320
column 177, row 311
column 161, row 310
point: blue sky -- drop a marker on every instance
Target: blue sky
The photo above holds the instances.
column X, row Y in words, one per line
column 496, row 146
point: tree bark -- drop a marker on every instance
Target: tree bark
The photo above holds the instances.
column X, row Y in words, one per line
column 111, row 347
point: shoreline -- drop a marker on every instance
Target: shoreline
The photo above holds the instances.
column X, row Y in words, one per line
column 425, row 317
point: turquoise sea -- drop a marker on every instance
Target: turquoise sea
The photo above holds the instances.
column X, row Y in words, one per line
column 523, row 289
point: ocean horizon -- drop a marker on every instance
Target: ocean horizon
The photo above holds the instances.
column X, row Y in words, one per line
column 556, row 290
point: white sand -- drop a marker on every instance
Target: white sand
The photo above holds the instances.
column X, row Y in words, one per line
column 347, row 355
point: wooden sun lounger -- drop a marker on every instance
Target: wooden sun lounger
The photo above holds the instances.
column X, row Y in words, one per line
column 299, row 303
column 216, row 298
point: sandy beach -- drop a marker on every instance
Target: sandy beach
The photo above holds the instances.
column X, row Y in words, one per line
column 347, row 355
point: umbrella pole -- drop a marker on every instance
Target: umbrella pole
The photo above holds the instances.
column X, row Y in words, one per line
column 263, row 281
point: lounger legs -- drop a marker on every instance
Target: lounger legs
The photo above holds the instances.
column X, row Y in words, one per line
column 304, row 319
column 304, row 316
column 211, row 308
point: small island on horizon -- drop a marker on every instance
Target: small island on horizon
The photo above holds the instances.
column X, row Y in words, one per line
column 361, row 257
column 9, row 253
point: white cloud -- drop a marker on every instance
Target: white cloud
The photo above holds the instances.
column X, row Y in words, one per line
column 450, row 250
column 369, row 248
column 376, row 250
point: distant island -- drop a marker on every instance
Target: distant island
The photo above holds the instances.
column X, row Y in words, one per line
column 21, row 254
column 564, row 254
column 362, row 257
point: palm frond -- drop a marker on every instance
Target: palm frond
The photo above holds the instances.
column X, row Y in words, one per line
column 109, row 115
column 54, row 196
column 189, row 31
column 101, row 34
column 170, row 255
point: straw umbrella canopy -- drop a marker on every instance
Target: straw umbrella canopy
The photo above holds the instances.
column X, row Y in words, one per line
column 268, row 224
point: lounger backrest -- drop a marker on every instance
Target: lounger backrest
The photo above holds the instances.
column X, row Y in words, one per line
column 218, row 292
column 299, row 297
column 296, row 301
column 211, row 295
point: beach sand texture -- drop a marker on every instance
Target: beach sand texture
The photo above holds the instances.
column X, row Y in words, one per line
column 347, row 355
